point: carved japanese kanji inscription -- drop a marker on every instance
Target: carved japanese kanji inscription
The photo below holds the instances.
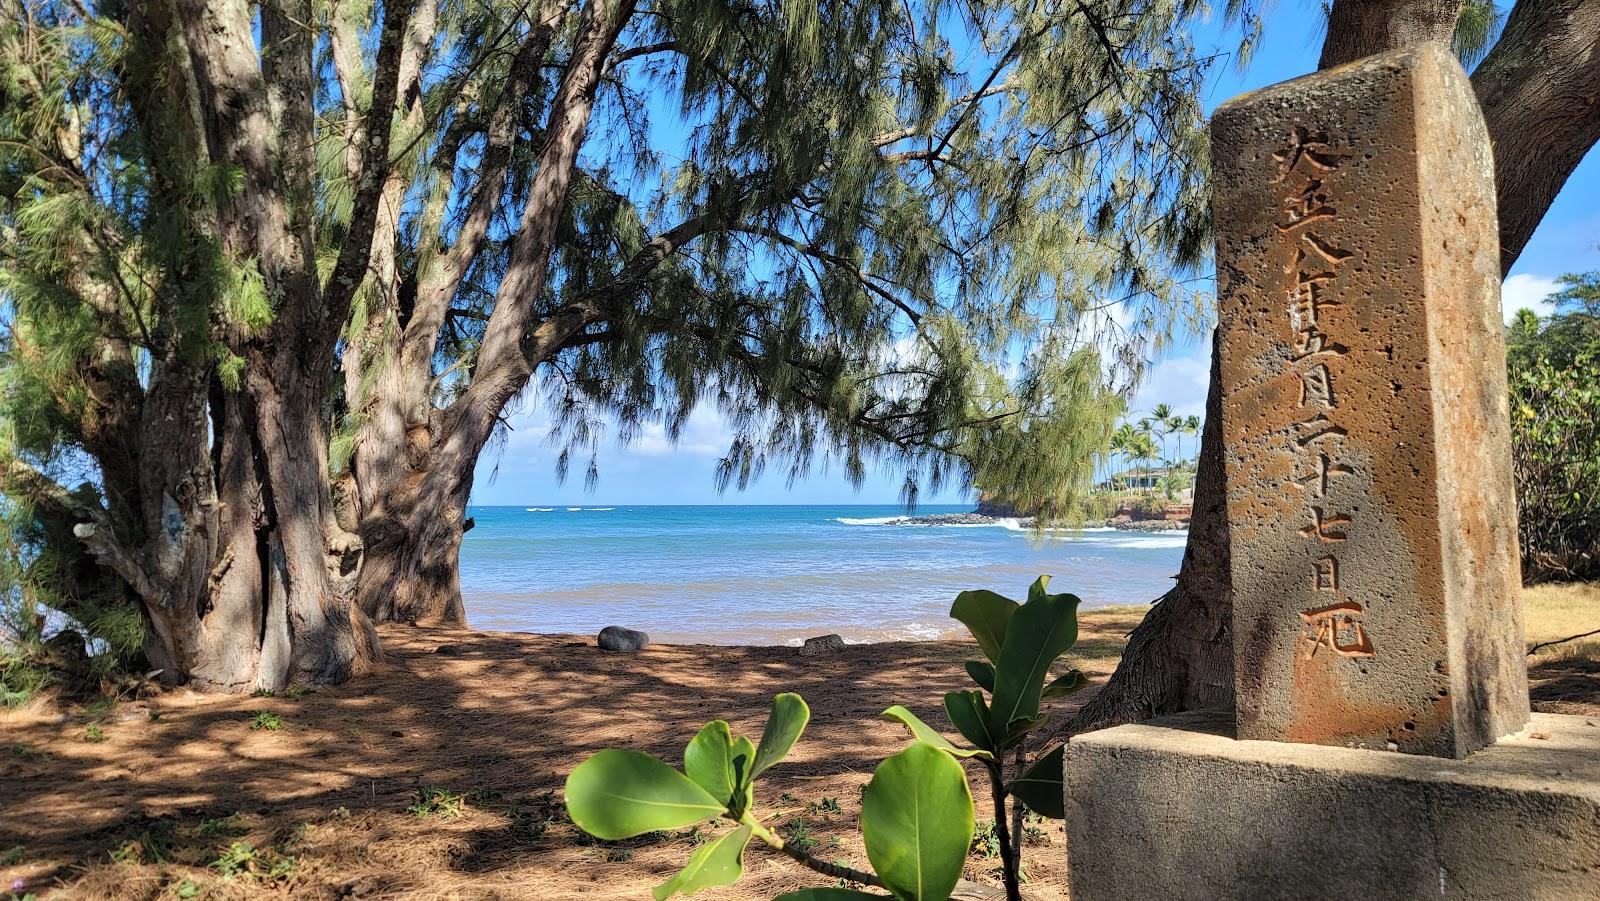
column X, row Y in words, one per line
column 1371, row 514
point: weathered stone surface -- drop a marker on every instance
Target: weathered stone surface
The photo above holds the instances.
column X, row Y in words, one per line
column 1178, row 809
column 616, row 638
column 822, row 644
column 1370, row 504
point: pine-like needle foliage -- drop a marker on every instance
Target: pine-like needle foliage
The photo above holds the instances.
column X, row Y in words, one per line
column 935, row 237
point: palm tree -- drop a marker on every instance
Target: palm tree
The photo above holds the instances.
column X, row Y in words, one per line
column 1162, row 416
column 1175, row 427
column 1122, row 441
column 1191, row 426
column 1144, row 450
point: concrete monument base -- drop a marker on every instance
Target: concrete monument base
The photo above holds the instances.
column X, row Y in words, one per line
column 1179, row 808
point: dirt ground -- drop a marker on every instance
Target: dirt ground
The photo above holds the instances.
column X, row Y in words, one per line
column 439, row 776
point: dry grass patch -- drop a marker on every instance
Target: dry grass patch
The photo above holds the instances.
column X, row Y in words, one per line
column 1564, row 677
column 1554, row 612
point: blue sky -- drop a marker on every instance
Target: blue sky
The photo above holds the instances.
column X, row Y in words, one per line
column 653, row 470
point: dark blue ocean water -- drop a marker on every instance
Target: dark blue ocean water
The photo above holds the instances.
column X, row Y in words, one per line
column 775, row 574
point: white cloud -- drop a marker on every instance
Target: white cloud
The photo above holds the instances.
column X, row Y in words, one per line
column 1524, row 291
column 704, row 434
column 1179, row 382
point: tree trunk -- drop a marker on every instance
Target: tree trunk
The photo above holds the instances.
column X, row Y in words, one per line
column 414, row 492
column 1181, row 656
column 1359, row 28
column 1537, row 91
column 410, row 571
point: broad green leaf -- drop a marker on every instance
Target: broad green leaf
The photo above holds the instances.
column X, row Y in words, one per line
column 1040, row 588
column 982, row 672
column 744, row 754
column 925, row 734
column 970, row 715
column 1065, row 685
column 1020, row 729
column 1039, row 786
column 708, row 760
column 720, row 862
column 916, row 819
column 619, row 793
column 1042, row 630
column 985, row 614
column 827, row 894
column 784, row 724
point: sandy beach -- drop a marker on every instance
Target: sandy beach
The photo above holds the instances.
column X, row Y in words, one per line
column 439, row 776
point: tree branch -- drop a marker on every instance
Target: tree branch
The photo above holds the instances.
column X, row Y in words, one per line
column 91, row 525
column 1537, row 90
column 351, row 266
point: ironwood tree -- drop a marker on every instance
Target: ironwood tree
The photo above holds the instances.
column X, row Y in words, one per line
column 276, row 272
column 1535, row 74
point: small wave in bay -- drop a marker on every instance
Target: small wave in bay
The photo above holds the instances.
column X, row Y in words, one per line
column 777, row 575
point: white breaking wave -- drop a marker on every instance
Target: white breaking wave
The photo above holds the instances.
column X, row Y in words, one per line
column 601, row 509
column 872, row 521
column 573, row 509
column 538, row 509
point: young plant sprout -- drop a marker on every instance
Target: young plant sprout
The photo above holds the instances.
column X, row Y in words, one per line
column 916, row 812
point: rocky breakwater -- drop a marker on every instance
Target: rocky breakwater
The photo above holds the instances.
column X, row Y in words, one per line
column 1171, row 519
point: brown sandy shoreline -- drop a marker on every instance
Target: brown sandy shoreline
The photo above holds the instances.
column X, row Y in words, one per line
column 500, row 721
column 152, row 810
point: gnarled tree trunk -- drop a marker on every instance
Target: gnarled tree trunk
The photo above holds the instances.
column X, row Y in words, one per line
column 1538, row 91
column 1181, row 656
column 413, row 465
column 218, row 517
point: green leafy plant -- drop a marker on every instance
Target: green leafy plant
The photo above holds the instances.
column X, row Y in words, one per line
column 1553, row 373
column 917, row 810
column 440, row 802
column 93, row 733
column 1020, row 642
column 266, row 719
column 242, row 860
column 916, row 816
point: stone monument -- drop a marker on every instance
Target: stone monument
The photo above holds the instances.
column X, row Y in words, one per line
column 1366, row 438
column 1373, row 536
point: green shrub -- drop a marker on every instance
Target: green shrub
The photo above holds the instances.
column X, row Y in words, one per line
column 1553, row 372
column 916, row 812
column 1149, row 504
column 242, row 860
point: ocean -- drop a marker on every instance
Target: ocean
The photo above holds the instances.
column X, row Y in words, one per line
column 777, row 574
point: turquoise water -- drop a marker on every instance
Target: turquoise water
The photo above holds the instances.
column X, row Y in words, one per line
column 774, row 575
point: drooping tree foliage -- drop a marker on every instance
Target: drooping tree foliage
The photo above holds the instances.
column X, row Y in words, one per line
column 275, row 273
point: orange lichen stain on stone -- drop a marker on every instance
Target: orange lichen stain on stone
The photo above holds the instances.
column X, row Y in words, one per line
column 1323, row 714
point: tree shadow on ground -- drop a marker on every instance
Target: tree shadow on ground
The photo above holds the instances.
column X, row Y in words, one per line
column 496, row 721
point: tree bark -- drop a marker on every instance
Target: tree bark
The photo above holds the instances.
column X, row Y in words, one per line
column 1359, row 28
column 1540, row 92
column 1180, row 657
column 1537, row 90
column 414, row 500
column 219, row 516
